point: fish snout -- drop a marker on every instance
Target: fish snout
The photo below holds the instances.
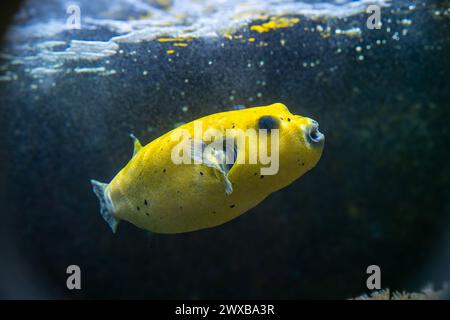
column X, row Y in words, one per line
column 313, row 135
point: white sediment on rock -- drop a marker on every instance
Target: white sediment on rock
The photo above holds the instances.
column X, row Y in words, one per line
column 182, row 18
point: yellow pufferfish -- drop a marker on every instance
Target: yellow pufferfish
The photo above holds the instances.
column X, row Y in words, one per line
column 156, row 194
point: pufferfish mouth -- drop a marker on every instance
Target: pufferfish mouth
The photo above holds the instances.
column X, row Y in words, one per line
column 314, row 135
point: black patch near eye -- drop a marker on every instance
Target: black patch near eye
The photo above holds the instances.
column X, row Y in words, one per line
column 268, row 123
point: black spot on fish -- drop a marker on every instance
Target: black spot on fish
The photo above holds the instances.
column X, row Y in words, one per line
column 303, row 163
column 138, row 208
column 214, row 212
column 255, row 174
column 268, row 123
column 233, row 126
column 201, row 173
column 164, row 170
column 261, row 177
column 232, row 206
column 289, row 119
column 147, row 214
column 181, row 207
column 145, row 202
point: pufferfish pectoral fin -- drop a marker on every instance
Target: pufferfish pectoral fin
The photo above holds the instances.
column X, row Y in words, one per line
column 213, row 157
column 137, row 144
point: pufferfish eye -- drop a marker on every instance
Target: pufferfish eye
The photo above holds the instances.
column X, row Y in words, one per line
column 268, row 123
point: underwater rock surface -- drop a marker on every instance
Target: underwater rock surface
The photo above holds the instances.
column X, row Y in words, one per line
column 379, row 195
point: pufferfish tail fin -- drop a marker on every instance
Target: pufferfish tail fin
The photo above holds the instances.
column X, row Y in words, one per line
column 106, row 209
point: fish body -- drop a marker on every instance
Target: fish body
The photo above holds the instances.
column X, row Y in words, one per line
column 154, row 193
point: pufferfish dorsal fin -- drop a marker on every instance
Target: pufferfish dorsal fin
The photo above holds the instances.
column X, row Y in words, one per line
column 137, row 144
column 215, row 156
